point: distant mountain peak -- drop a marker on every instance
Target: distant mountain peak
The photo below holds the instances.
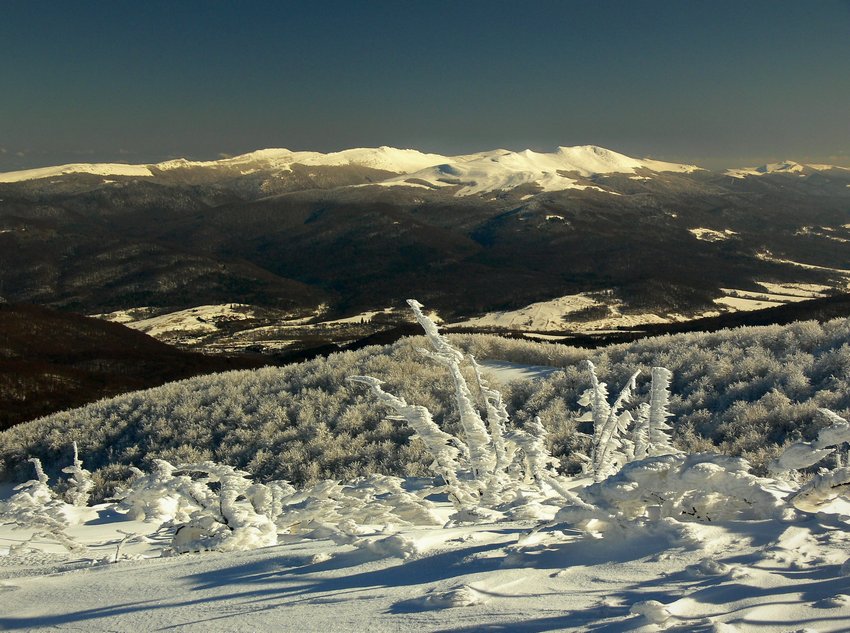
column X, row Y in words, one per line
column 781, row 167
column 553, row 171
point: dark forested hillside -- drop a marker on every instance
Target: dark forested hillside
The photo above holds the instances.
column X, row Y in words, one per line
column 666, row 243
column 51, row 361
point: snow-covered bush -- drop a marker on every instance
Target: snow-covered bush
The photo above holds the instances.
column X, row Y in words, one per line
column 741, row 392
column 698, row 487
column 209, row 505
column 491, row 466
column 80, row 485
column 34, row 506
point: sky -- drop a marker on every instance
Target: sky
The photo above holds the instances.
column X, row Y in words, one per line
column 716, row 83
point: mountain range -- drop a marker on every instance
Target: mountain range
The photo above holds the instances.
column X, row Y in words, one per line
column 497, row 235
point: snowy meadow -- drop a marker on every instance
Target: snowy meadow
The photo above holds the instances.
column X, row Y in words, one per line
column 693, row 482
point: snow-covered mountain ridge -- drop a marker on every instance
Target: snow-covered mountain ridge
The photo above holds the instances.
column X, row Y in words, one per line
column 489, row 170
column 783, row 167
column 462, row 175
column 383, row 158
column 555, row 171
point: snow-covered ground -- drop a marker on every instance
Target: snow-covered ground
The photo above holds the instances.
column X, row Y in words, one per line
column 714, row 576
column 502, row 372
column 559, row 315
column 99, row 169
column 544, row 315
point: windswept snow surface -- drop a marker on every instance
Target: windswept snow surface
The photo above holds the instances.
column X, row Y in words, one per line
column 766, row 576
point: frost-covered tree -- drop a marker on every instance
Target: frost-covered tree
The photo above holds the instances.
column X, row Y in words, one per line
column 500, row 462
column 448, row 458
column 481, row 455
column 80, row 485
column 651, row 433
column 610, row 447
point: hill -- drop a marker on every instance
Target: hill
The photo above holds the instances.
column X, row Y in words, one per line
column 50, row 361
column 744, row 392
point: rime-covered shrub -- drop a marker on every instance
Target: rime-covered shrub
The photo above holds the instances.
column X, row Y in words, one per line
column 36, row 507
column 743, row 392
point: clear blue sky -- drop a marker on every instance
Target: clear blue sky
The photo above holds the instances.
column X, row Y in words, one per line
column 713, row 82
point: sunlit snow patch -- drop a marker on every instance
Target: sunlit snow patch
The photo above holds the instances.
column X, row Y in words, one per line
column 710, row 235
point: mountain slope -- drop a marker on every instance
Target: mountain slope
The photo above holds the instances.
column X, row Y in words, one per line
column 50, row 361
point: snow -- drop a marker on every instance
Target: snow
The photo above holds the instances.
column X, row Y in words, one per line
column 384, row 158
column 840, row 272
column 544, row 315
column 711, row 235
column 673, row 540
column 555, row 315
column 99, row 169
column 198, row 320
column 802, row 290
column 744, row 304
column 503, row 372
column 769, row 576
column 500, row 171
column 125, row 316
column 782, row 167
column 777, row 294
column 363, row 317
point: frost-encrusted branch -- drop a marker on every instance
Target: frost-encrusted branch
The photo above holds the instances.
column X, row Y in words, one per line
column 659, row 401
column 497, row 418
column 610, row 446
column 801, row 455
column 439, row 443
column 440, row 345
column 481, row 456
